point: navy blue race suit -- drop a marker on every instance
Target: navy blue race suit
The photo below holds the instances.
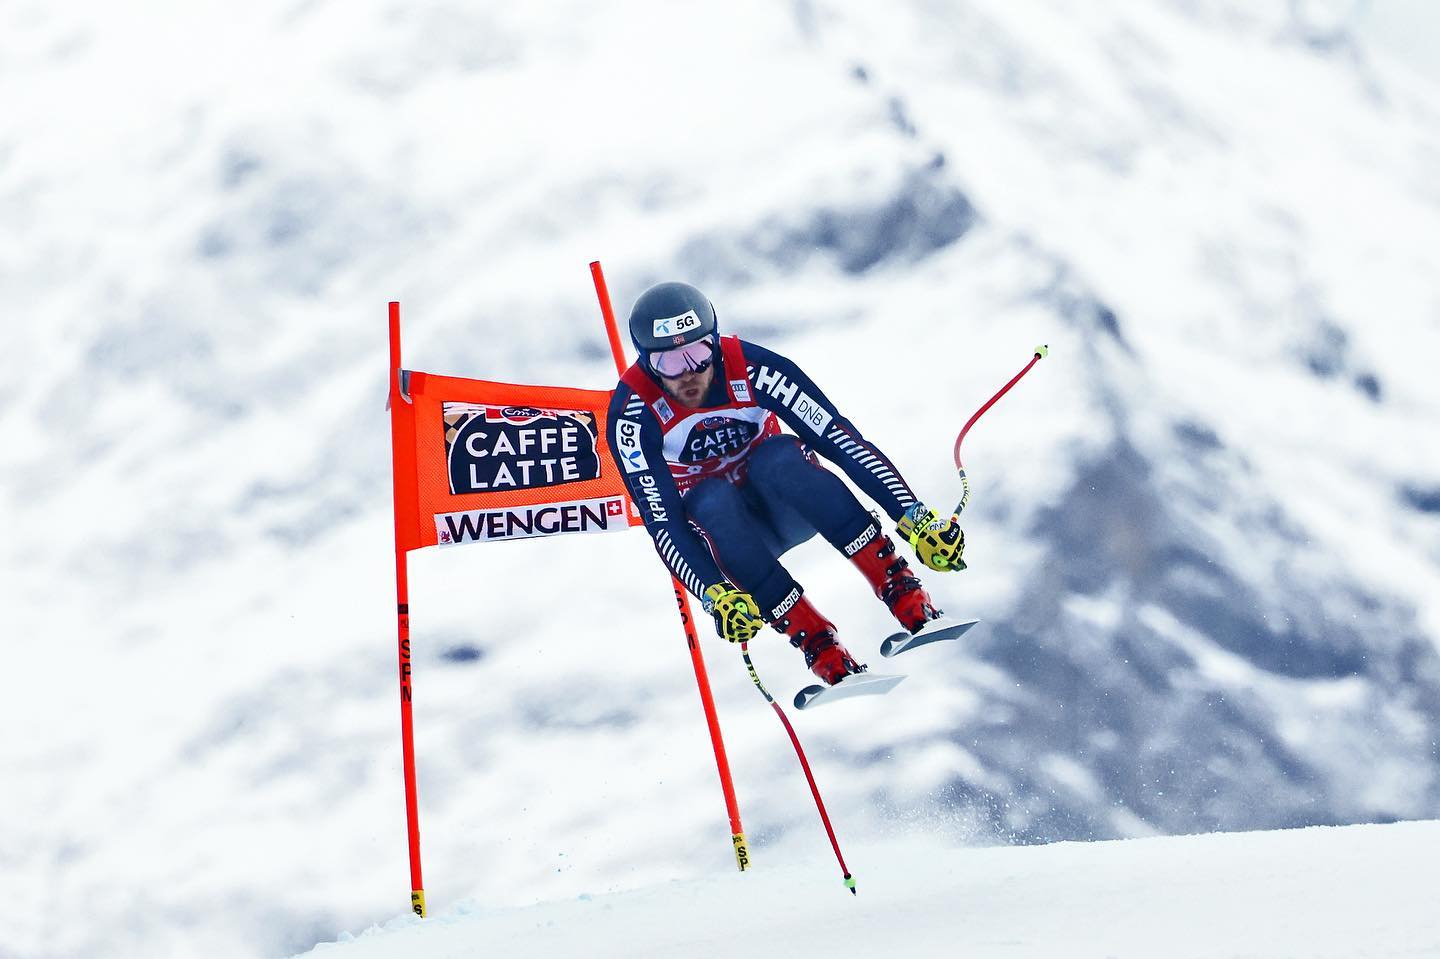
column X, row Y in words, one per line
column 750, row 491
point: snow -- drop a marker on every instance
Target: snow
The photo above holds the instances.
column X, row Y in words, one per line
column 1358, row 892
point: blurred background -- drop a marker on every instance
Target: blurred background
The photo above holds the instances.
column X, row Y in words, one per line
column 1204, row 534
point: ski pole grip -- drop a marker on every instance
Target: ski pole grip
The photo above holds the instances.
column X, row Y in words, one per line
column 964, row 494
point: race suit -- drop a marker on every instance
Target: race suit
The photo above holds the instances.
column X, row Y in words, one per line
column 724, row 492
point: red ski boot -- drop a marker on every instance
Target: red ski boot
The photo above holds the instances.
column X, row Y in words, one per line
column 891, row 578
column 814, row 635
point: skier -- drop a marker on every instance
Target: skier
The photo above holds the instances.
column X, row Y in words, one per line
column 696, row 425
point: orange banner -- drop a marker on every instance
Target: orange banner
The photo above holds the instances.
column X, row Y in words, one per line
column 481, row 462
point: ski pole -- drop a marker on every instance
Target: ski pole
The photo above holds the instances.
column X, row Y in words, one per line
column 804, row 764
column 1040, row 353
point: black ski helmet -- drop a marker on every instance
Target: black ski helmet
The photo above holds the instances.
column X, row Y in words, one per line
column 669, row 315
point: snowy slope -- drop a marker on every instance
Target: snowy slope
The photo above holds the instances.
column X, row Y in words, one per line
column 1358, row 892
column 1205, row 535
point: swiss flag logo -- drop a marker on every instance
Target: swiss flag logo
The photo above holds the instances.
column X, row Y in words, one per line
column 615, row 508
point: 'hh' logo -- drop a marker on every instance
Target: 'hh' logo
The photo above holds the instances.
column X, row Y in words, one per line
column 676, row 325
column 774, row 382
column 811, row 413
column 513, row 448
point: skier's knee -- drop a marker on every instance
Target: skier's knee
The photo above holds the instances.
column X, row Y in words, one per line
column 713, row 502
column 774, row 456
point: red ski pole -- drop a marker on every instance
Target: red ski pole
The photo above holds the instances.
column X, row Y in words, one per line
column 804, row 764
column 1040, row 353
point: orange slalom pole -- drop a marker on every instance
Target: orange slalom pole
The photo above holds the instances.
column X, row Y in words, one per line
column 402, row 453
column 697, row 658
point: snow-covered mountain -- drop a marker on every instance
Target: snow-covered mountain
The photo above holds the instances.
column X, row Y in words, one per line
column 1205, row 533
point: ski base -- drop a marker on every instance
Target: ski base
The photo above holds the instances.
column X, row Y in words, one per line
column 856, row 684
column 932, row 632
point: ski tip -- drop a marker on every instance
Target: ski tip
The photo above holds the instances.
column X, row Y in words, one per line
column 938, row 629
column 856, row 684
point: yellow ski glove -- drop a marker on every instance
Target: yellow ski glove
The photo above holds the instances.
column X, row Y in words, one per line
column 938, row 543
column 737, row 615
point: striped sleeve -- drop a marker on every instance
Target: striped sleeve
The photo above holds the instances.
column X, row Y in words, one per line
column 782, row 387
column 634, row 438
column 865, row 456
column 674, row 559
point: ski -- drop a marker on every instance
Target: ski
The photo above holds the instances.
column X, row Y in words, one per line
column 931, row 632
column 856, row 684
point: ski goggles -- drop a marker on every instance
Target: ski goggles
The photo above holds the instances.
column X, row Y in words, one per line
column 691, row 358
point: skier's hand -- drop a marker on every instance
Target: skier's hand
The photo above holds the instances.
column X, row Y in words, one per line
column 938, row 543
column 737, row 615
